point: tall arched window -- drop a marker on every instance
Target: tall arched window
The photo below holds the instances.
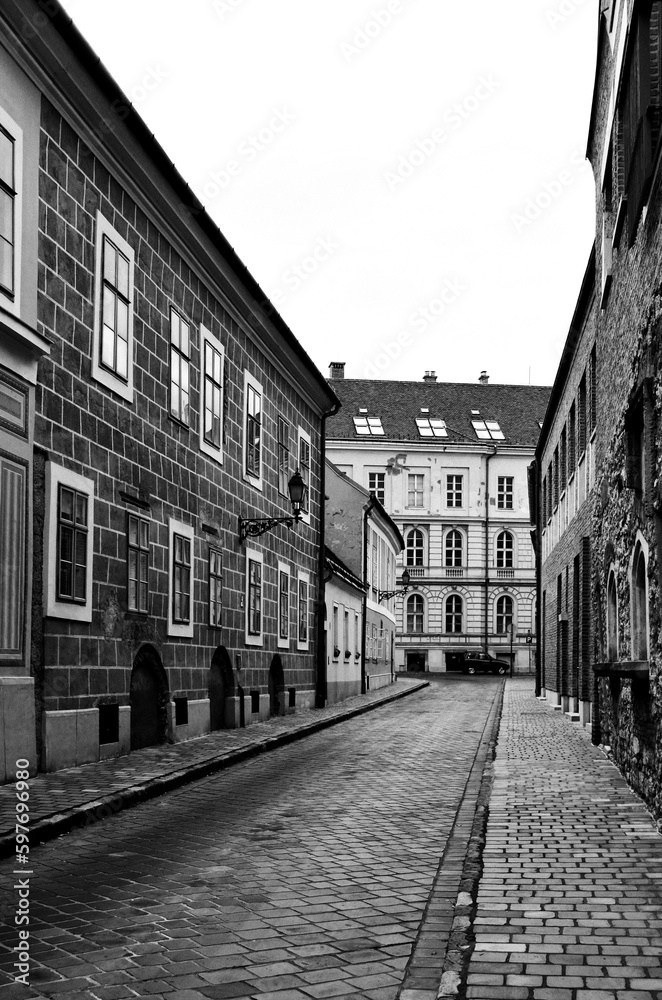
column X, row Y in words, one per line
column 612, row 618
column 453, row 549
column 505, row 613
column 454, row 613
column 415, row 613
column 639, row 605
column 504, row 550
column 415, row 548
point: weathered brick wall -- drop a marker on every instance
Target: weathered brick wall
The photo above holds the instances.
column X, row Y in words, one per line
column 139, row 449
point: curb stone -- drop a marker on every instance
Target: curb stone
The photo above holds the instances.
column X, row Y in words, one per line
column 461, row 942
column 54, row 825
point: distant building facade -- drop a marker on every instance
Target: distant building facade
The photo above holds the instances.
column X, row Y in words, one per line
column 367, row 542
column 563, row 516
column 150, row 397
column 622, row 527
column 449, row 463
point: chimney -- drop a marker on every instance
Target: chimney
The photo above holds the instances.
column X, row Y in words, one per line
column 337, row 369
column 483, row 378
column 430, row 377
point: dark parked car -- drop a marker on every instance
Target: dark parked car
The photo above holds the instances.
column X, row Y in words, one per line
column 484, row 663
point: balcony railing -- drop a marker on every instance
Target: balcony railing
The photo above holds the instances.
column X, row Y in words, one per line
column 505, row 574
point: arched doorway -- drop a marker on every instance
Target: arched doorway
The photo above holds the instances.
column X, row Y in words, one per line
column 221, row 687
column 276, row 686
column 148, row 700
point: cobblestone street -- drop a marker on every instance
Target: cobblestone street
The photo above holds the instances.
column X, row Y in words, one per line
column 304, row 873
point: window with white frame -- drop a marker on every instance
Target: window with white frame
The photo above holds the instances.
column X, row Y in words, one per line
column 283, row 456
column 346, row 650
column 505, row 486
column 252, row 430
column 303, row 629
column 357, row 635
column 211, row 398
column 453, row 548
column 415, row 613
column 336, row 632
column 415, row 489
column 253, row 598
column 415, row 553
column 180, row 367
column 376, row 484
column 304, row 470
column 11, row 183
column 505, row 614
column 215, row 578
column 137, row 568
column 69, row 544
column 453, row 616
column 112, row 352
column 453, row 490
column 504, row 550
column 180, row 579
column 283, row 605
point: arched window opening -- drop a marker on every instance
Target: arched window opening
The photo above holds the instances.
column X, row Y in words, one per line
column 504, row 550
column 415, row 548
column 454, row 548
column 505, row 614
column 639, row 606
column 454, row 613
column 415, row 613
column 612, row 619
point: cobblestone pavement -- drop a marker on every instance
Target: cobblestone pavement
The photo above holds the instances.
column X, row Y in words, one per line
column 570, row 899
column 309, row 872
column 80, row 795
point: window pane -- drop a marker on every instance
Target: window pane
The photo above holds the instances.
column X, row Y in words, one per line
column 6, row 265
column 108, row 315
column 122, row 363
column 6, row 216
column 123, row 275
column 184, row 338
column 81, row 509
column 109, row 261
column 133, row 531
column 174, row 328
column 66, row 504
column 6, row 160
column 144, row 534
column 217, row 367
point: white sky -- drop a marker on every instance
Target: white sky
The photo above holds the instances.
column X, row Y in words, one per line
column 353, row 254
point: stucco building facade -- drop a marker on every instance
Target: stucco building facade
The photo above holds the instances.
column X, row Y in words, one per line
column 449, row 463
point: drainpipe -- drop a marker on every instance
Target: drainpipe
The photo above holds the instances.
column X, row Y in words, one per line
column 536, row 539
column 366, row 516
column 487, row 545
column 320, row 685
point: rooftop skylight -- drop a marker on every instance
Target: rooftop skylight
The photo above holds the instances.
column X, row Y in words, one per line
column 431, row 427
column 368, row 425
column 488, row 430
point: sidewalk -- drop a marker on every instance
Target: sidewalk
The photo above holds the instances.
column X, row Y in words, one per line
column 569, row 904
column 82, row 795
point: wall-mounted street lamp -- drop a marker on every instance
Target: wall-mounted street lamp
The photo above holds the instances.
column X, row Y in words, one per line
column 384, row 595
column 251, row 526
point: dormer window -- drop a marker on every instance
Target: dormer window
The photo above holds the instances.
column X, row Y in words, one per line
column 368, row 425
column 431, row 427
column 488, row 430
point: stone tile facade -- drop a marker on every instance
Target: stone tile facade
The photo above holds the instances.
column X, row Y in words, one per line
column 172, row 402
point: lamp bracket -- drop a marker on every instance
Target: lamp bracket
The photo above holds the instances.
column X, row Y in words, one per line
column 253, row 526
